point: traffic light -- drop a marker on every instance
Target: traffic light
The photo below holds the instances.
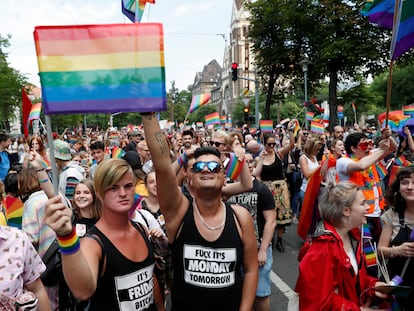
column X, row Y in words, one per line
column 234, row 67
column 246, row 111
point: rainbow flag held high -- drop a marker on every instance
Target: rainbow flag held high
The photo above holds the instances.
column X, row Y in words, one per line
column 369, row 250
column 266, row 125
column 129, row 9
column 101, row 68
column 379, row 12
column 212, row 118
column 309, row 115
column 198, row 101
column 223, row 119
column 318, row 118
column 317, row 127
column 199, row 124
column 34, row 113
column 381, row 169
column 117, row 152
column 234, row 167
column 408, row 110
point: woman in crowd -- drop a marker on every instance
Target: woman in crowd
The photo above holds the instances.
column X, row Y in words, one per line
column 36, row 143
column 20, row 272
column 395, row 243
column 124, row 273
column 332, row 273
column 308, row 162
column 269, row 169
column 328, row 169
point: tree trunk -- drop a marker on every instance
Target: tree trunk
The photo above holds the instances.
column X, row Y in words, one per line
column 333, row 84
column 269, row 96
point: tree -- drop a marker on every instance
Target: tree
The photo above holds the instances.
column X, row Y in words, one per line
column 337, row 39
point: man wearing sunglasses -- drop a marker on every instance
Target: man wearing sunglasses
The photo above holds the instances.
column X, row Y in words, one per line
column 214, row 247
column 359, row 167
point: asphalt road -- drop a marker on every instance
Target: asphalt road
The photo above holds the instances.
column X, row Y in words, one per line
column 285, row 270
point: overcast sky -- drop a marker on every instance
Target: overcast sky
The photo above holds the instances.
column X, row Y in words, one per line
column 190, row 30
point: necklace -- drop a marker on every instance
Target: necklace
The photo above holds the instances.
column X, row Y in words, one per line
column 204, row 222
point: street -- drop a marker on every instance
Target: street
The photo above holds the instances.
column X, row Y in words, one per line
column 285, row 270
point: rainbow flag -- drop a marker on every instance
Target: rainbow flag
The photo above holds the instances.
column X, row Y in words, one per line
column 34, row 113
column 369, row 250
column 318, row 118
column 129, row 9
column 117, row 152
column 198, row 101
column 379, row 12
column 14, row 211
column 381, row 169
column 309, row 115
column 234, row 167
column 101, row 68
column 228, row 124
column 199, row 124
column 212, row 118
column 353, row 107
column 408, row 110
column 223, row 119
column 266, row 125
column 296, row 129
column 317, row 127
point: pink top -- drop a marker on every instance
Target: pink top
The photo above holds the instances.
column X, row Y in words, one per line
column 20, row 264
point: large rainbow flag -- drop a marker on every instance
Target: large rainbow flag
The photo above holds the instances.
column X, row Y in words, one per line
column 212, row 118
column 101, row 68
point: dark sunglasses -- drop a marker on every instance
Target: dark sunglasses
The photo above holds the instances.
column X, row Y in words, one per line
column 215, row 143
column 271, row 144
column 212, row 166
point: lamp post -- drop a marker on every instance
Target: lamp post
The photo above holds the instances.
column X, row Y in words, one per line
column 304, row 63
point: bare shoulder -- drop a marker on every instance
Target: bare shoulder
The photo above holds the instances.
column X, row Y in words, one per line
column 242, row 213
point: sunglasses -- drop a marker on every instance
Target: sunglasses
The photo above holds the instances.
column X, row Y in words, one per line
column 212, row 166
column 216, row 144
column 365, row 144
column 271, row 144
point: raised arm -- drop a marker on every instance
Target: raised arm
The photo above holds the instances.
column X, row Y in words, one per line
column 173, row 204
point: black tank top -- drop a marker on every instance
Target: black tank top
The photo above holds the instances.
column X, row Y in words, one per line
column 207, row 275
column 273, row 171
column 126, row 284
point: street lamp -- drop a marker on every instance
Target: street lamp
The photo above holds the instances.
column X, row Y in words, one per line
column 304, row 63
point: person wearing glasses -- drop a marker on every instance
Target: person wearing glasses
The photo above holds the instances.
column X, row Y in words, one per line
column 269, row 169
column 214, row 247
column 359, row 167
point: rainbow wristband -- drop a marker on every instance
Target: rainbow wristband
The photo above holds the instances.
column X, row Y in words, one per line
column 69, row 244
column 183, row 159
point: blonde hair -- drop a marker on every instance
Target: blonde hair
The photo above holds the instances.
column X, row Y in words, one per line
column 108, row 173
column 336, row 199
column 311, row 146
column 222, row 134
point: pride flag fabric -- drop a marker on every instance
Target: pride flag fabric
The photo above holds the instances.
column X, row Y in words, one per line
column 408, row 110
column 380, row 12
column 34, row 113
column 129, row 9
column 101, row 68
column 317, row 127
column 353, row 107
column 266, row 125
column 234, row 167
column 198, row 101
column 309, row 115
column 117, row 152
column 26, row 107
column 212, row 118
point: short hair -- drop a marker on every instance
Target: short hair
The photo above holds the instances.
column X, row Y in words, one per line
column 336, row 199
column 4, row 137
column 28, row 183
column 188, row 132
column 97, row 145
column 393, row 196
column 222, row 134
column 352, row 140
column 11, row 185
column 108, row 173
column 96, row 209
column 206, row 150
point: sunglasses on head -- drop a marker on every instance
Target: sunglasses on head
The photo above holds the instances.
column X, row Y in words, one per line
column 215, row 143
column 212, row 166
column 271, row 144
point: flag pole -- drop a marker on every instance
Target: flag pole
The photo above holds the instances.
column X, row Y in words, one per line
column 389, row 87
column 51, row 153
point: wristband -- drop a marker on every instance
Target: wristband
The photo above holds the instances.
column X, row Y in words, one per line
column 69, row 244
column 43, row 180
column 182, row 159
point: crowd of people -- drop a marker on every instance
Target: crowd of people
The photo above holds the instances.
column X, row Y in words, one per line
column 188, row 219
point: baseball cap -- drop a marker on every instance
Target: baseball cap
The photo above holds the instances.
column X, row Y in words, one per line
column 61, row 150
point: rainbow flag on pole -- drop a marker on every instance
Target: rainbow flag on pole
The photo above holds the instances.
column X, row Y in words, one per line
column 198, row 101
column 317, row 127
column 101, row 68
column 266, row 125
column 34, row 113
column 117, row 152
column 212, row 118
column 309, row 115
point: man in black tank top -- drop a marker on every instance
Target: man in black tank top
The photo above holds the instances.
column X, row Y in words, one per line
column 214, row 246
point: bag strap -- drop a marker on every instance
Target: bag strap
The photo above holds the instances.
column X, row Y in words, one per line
column 50, row 251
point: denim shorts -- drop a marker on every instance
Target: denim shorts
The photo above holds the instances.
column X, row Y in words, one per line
column 263, row 285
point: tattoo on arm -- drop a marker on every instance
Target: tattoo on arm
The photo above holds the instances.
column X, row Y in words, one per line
column 162, row 142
